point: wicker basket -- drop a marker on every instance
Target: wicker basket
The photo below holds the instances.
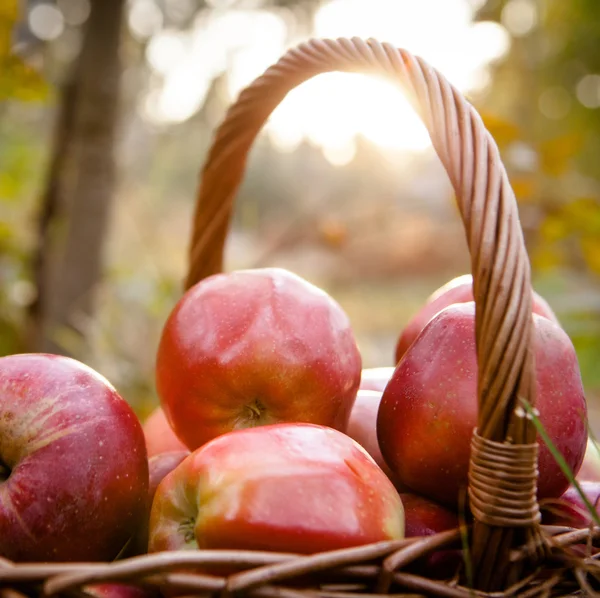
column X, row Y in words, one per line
column 506, row 550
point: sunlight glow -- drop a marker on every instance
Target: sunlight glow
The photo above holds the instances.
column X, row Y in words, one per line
column 165, row 51
column 330, row 111
column 145, row 18
column 341, row 154
column 179, row 10
column 75, row 12
column 178, row 101
column 260, row 38
column 520, row 16
column 46, row 22
column 555, row 102
column 588, row 91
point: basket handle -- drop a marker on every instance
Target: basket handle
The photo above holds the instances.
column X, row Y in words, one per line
column 499, row 262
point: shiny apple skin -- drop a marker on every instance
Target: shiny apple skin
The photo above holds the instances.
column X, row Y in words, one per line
column 159, row 435
column 363, row 427
column 255, row 347
column 429, row 408
column 570, row 509
column 159, row 466
column 283, row 487
column 424, row 517
column 79, row 473
column 457, row 290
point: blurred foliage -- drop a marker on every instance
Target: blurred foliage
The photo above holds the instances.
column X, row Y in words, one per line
column 18, row 80
column 551, row 142
column 20, row 156
column 537, row 90
column 378, row 233
column 19, row 178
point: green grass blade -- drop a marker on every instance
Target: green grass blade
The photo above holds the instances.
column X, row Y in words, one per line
column 560, row 460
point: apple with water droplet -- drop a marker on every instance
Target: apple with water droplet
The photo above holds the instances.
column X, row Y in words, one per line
column 73, row 465
column 255, row 347
column 283, row 487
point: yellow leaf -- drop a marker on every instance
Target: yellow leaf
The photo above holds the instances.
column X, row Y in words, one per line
column 584, row 214
column 20, row 81
column 547, row 258
column 9, row 10
column 9, row 14
column 590, row 247
column 333, row 233
column 525, row 188
column 557, row 153
column 554, row 228
column 503, row 131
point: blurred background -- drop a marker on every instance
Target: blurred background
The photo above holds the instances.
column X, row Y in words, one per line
column 108, row 107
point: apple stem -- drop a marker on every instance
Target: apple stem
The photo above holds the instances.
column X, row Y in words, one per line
column 186, row 527
column 256, row 409
column 253, row 414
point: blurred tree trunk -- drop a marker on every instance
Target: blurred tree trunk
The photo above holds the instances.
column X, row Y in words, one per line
column 51, row 211
column 81, row 181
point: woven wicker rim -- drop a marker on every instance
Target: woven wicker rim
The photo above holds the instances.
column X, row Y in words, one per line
column 374, row 566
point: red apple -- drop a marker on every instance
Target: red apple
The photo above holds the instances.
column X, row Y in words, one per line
column 159, row 466
column 458, row 290
column 423, row 517
column 590, row 467
column 255, row 347
column 375, row 378
column 363, row 427
column 73, row 465
column 570, row 509
column 429, row 407
column 159, row 435
column 283, row 487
